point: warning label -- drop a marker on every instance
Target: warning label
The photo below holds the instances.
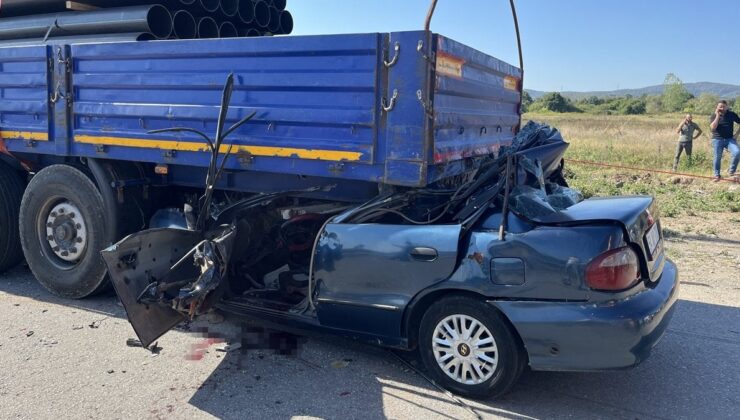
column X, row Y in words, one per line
column 449, row 65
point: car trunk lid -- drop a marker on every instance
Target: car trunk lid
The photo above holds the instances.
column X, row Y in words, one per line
column 636, row 214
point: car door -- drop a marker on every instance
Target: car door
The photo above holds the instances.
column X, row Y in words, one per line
column 366, row 274
column 144, row 259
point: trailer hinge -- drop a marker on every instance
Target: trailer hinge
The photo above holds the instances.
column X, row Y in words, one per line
column 336, row 167
column 245, row 159
column 64, row 92
column 424, row 103
column 420, row 48
column 120, row 184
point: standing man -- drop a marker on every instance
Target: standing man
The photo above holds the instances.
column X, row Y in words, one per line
column 722, row 125
column 685, row 142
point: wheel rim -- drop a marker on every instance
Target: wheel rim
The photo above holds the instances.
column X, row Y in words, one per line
column 63, row 232
column 465, row 349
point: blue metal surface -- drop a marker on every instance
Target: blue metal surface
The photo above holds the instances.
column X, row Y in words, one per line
column 390, row 272
column 550, row 271
column 612, row 334
column 476, row 102
column 24, row 84
column 633, row 212
column 313, row 95
column 319, row 103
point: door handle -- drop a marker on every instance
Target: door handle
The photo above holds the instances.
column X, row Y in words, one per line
column 423, row 253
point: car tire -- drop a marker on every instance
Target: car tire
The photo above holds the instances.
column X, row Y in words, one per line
column 63, row 228
column 484, row 368
column 11, row 193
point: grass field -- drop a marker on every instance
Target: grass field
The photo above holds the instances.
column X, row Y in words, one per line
column 646, row 142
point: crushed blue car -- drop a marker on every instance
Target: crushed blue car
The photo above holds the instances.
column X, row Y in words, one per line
column 505, row 269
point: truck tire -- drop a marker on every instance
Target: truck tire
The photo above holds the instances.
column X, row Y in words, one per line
column 11, row 193
column 63, row 228
column 469, row 348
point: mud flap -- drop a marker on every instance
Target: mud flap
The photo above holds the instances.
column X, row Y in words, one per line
column 164, row 276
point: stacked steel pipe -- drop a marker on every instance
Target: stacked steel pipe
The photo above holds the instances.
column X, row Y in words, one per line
column 32, row 22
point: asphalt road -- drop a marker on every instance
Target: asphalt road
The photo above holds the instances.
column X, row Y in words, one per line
column 61, row 358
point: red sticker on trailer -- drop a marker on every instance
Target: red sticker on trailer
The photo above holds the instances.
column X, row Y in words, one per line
column 450, row 65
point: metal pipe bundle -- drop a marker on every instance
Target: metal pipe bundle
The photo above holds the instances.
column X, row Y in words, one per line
column 207, row 27
column 229, row 8
column 228, row 30
column 11, row 8
column 154, row 19
column 77, row 39
column 184, row 25
column 210, row 6
column 262, row 14
column 31, row 22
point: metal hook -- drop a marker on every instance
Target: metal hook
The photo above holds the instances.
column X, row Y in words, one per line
column 60, row 58
column 420, row 50
column 427, row 105
column 389, row 105
column 56, row 94
column 397, row 50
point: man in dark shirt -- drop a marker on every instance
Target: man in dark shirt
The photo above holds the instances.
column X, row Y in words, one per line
column 722, row 125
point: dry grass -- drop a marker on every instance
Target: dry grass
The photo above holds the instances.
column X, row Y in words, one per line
column 646, row 142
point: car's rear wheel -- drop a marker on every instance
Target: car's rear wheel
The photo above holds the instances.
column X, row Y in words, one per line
column 63, row 227
column 11, row 192
column 469, row 348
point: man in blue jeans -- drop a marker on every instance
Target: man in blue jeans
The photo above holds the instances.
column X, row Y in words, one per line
column 722, row 125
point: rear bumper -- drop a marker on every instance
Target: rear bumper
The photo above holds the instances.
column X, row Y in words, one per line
column 586, row 336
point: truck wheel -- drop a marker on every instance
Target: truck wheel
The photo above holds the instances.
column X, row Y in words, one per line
column 468, row 348
column 63, row 228
column 11, row 192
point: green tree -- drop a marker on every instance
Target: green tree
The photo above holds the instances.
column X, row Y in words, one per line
column 556, row 102
column 632, row 106
column 675, row 94
column 526, row 101
column 592, row 100
column 705, row 103
column 654, row 104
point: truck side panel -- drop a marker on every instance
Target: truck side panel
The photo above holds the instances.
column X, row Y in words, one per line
column 24, row 89
column 476, row 103
column 404, row 108
column 315, row 100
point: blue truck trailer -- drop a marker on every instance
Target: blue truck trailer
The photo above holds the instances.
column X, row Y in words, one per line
column 368, row 108
column 377, row 186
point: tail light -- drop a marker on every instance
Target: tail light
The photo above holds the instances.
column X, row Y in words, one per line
column 617, row 269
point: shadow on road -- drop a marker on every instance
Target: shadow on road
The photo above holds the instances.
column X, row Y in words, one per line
column 694, row 372
column 21, row 282
column 674, row 235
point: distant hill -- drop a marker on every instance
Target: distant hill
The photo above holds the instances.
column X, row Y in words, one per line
column 720, row 89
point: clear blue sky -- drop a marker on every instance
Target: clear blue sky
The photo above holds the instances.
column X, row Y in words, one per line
column 578, row 45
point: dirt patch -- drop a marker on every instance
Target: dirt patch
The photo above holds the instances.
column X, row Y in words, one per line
column 707, row 252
